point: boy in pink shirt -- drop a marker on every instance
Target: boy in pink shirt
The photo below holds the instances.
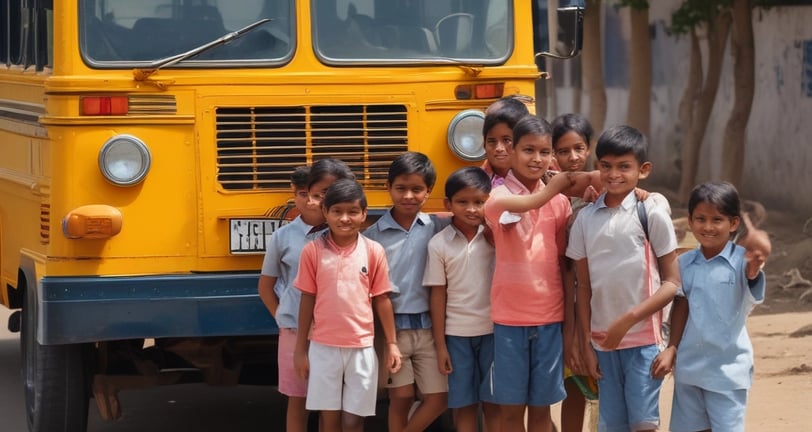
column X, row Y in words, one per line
column 527, row 297
column 343, row 276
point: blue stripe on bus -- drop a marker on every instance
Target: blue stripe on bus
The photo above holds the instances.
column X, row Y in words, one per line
column 91, row 309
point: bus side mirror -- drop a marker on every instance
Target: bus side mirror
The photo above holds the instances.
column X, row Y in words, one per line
column 570, row 31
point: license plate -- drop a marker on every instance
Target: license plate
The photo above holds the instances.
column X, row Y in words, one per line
column 249, row 236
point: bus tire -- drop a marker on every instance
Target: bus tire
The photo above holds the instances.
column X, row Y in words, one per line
column 56, row 392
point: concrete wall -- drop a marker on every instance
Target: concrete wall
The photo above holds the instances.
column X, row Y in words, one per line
column 778, row 167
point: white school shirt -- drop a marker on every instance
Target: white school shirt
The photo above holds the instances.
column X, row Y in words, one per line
column 715, row 352
column 622, row 270
column 467, row 270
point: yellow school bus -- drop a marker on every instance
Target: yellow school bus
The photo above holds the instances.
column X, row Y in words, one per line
column 145, row 154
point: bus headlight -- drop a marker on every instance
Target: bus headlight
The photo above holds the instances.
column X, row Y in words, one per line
column 465, row 135
column 124, row 160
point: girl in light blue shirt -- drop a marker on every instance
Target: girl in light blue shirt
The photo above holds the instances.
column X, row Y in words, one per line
column 710, row 352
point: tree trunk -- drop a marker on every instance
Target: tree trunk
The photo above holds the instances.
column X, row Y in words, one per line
column 687, row 106
column 717, row 43
column 743, row 48
column 639, row 110
column 592, row 65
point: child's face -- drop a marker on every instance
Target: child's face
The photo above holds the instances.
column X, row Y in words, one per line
column 571, row 152
column 620, row 174
column 531, row 157
column 711, row 228
column 345, row 220
column 310, row 213
column 408, row 192
column 467, row 207
column 498, row 144
column 318, row 189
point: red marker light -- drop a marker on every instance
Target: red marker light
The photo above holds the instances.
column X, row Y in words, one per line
column 104, row 105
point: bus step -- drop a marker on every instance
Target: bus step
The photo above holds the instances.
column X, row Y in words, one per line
column 14, row 321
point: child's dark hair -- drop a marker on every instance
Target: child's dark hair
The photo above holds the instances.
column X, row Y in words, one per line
column 299, row 176
column 572, row 123
column 531, row 125
column 413, row 163
column 344, row 191
column 468, row 177
column 622, row 140
column 328, row 167
column 508, row 110
column 720, row 194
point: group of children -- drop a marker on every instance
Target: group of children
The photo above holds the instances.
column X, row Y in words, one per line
column 485, row 308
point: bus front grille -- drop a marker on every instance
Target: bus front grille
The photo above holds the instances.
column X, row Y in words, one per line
column 258, row 147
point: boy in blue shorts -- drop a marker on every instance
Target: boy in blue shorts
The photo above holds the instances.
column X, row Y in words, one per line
column 621, row 294
column 459, row 271
column 343, row 279
column 405, row 231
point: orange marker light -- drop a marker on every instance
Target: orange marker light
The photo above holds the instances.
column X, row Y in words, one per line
column 489, row 91
column 96, row 221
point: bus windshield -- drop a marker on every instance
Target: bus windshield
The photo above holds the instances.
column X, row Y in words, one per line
column 118, row 32
column 124, row 33
column 351, row 31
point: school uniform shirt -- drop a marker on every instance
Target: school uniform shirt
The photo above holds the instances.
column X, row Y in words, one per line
column 527, row 288
column 623, row 271
column 466, row 269
column 406, row 252
column 344, row 281
column 282, row 262
column 715, row 352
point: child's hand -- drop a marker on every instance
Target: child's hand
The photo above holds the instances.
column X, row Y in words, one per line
column 617, row 330
column 591, row 362
column 663, row 364
column 393, row 357
column 758, row 248
column 590, row 194
column 301, row 364
column 444, row 362
column 641, row 194
column 572, row 353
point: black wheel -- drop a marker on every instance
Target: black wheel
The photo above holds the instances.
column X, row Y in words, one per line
column 56, row 392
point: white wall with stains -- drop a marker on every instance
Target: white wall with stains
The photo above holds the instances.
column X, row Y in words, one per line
column 778, row 167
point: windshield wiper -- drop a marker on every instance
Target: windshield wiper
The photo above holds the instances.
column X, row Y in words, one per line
column 141, row 74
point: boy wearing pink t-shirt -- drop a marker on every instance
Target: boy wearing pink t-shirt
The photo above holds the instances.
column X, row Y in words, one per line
column 527, row 296
column 343, row 276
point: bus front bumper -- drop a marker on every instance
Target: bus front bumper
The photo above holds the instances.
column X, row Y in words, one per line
column 93, row 309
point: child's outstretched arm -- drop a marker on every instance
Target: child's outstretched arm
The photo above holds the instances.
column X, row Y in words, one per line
column 665, row 361
column 669, row 274
column 300, row 361
column 560, row 183
column 383, row 307
column 583, row 316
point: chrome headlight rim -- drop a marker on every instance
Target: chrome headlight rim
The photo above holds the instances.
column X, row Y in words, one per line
column 115, row 143
column 472, row 150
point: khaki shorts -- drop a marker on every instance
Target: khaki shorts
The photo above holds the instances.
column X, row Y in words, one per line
column 419, row 363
